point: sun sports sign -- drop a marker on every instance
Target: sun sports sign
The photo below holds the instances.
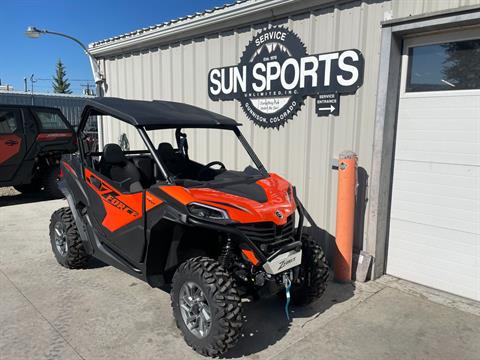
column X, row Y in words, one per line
column 275, row 75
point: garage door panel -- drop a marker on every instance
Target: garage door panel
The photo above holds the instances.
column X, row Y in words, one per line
column 437, row 194
column 446, row 201
column 415, row 121
column 455, row 189
column 456, row 151
column 435, row 277
column 447, row 244
column 463, row 153
column 433, row 219
column 434, row 236
column 462, row 197
column 439, row 128
column 442, row 104
column 434, row 132
column 436, row 173
column 422, row 211
column 461, row 142
column 449, row 191
column 435, row 257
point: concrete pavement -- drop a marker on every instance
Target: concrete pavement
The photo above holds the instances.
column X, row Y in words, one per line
column 49, row 312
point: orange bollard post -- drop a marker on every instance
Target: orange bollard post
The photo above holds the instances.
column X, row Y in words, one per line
column 347, row 182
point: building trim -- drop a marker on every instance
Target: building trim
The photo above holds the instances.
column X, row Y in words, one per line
column 433, row 16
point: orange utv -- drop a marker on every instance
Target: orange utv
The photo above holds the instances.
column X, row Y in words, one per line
column 211, row 234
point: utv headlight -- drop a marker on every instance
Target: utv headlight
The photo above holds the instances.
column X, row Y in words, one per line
column 207, row 212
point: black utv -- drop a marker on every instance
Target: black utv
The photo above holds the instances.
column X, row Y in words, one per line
column 180, row 214
column 32, row 141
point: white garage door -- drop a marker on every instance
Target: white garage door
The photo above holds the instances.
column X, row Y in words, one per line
column 435, row 215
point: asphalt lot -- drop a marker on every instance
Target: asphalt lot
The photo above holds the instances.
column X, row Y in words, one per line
column 49, row 312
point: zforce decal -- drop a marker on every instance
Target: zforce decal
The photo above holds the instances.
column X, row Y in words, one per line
column 111, row 197
column 275, row 75
column 9, row 147
column 121, row 209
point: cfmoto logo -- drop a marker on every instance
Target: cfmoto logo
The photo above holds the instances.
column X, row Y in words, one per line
column 279, row 214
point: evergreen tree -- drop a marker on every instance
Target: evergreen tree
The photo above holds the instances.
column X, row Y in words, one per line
column 461, row 66
column 60, row 83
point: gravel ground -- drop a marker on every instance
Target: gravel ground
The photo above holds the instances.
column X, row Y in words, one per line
column 8, row 191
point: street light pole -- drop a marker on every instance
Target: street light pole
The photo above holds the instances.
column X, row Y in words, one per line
column 34, row 33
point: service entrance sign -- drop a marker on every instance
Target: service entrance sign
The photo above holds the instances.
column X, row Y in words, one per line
column 327, row 104
column 275, row 75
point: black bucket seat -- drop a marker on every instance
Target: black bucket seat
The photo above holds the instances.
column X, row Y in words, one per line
column 175, row 163
column 115, row 166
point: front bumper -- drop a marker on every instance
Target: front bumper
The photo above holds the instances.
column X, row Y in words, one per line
column 264, row 258
column 283, row 262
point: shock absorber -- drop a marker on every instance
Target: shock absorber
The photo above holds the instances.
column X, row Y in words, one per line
column 225, row 255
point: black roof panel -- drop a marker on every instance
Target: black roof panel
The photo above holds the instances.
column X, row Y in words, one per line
column 158, row 114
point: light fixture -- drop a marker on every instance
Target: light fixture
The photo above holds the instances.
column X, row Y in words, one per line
column 33, row 33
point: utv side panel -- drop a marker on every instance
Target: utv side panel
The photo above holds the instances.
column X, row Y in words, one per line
column 118, row 217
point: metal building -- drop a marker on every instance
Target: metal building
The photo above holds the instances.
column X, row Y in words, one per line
column 413, row 121
column 70, row 105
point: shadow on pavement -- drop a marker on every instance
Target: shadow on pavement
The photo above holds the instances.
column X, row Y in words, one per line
column 94, row 263
column 266, row 322
column 18, row 198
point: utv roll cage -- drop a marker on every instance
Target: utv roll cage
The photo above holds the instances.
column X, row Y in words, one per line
column 161, row 115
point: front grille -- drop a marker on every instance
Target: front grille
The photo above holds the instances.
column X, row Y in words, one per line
column 267, row 235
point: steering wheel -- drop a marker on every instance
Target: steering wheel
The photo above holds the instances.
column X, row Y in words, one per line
column 208, row 166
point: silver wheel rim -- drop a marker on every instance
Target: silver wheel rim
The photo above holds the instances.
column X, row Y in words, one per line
column 195, row 310
column 61, row 239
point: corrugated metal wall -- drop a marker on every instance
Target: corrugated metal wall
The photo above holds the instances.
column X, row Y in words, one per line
column 303, row 149
column 71, row 106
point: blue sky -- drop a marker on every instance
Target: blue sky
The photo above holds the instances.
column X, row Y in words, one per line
column 88, row 20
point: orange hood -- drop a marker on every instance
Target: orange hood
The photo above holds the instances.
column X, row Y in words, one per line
column 279, row 199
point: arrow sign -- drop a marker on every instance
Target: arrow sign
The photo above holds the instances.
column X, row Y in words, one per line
column 327, row 104
column 331, row 108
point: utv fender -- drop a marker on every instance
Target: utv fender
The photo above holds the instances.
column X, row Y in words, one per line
column 78, row 219
column 158, row 267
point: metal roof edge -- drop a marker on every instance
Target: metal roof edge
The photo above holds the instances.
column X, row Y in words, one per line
column 185, row 18
column 23, row 93
column 214, row 20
